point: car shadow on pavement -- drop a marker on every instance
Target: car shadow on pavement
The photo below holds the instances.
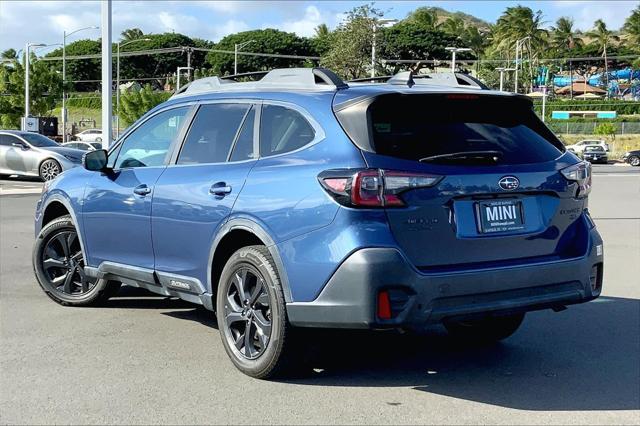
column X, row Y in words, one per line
column 584, row 358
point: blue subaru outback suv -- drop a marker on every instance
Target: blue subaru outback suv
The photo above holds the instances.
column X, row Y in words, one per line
column 299, row 200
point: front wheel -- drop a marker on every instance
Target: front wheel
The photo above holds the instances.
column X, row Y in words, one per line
column 634, row 161
column 485, row 330
column 49, row 169
column 58, row 263
column 251, row 314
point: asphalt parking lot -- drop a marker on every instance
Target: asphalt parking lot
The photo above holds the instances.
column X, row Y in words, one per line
column 146, row 359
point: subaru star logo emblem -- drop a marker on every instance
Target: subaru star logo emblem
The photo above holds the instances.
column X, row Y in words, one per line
column 509, row 183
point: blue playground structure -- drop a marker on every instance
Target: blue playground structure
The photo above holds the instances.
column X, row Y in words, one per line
column 599, row 79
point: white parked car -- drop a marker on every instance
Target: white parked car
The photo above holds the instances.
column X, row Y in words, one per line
column 85, row 146
column 579, row 147
column 89, row 135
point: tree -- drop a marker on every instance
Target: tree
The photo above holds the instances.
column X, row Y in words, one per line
column 424, row 16
column 84, row 71
column 563, row 36
column 135, row 103
column 517, row 23
column 410, row 40
column 350, row 52
column 477, row 40
column 321, row 41
column 264, row 41
column 454, row 25
column 9, row 54
column 632, row 27
column 606, row 129
column 131, row 34
column 602, row 37
column 45, row 88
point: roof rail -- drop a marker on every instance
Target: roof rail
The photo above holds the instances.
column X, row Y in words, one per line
column 284, row 78
column 449, row 79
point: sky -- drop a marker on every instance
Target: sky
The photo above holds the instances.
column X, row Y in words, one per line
column 44, row 21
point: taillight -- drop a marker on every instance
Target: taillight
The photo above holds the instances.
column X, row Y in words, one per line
column 373, row 187
column 581, row 174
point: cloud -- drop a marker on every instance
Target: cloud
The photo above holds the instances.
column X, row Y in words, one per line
column 229, row 27
column 585, row 13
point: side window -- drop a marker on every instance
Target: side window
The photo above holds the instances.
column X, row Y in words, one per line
column 243, row 149
column 148, row 145
column 6, row 140
column 282, row 130
column 212, row 133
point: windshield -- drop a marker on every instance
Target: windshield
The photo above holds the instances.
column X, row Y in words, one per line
column 38, row 140
column 594, row 148
column 444, row 128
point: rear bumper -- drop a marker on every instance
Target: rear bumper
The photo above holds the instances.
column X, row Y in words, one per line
column 349, row 298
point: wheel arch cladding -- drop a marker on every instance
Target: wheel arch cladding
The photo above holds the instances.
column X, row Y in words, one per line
column 235, row 234
column 54, row 210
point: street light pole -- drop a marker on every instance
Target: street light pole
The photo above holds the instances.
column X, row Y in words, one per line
column 118, row 81
column 238, row 47
column 26, row 77
column 502, row 70
column 64, row 77
column 106, row 74
column 453, row 51
column 373, row 42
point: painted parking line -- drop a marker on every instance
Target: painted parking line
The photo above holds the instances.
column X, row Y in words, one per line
column 20, row 191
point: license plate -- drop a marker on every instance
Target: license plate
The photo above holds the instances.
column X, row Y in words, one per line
column 500, row 216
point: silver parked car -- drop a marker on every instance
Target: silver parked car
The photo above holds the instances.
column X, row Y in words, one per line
column 32, row 154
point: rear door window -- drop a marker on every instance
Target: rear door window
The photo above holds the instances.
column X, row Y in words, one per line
column 212, row 133
column 438, row 127
column 283, row 130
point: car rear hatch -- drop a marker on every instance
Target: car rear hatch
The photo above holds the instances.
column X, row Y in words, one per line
column 478, row 180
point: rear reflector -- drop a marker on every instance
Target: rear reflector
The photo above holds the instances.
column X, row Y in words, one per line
column 373, row 187
column 384, row 305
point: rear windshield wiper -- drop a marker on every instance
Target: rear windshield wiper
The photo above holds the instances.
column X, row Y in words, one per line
column 466, row 156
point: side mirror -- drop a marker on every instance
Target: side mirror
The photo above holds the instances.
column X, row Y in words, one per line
column 95, row 161
column 22, row 146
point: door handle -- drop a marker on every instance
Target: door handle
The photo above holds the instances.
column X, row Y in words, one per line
column 220, row 189
column 142, row 190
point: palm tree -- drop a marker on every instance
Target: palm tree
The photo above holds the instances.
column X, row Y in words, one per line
column 602, row 37
column 9, row 54
column 454, row 25
column 477, row 40
column 563, row 36
column 322, row 30
column 632, row 26
column 516, row 25
column 131, row 34
column 519, row 22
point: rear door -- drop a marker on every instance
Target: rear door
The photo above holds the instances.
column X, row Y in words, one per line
column 502, row 196
column 196, row 193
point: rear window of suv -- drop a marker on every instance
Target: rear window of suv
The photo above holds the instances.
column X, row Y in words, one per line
column 421, row 127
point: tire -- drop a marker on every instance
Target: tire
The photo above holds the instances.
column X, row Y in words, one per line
column 252, row 269
column 58, row 263
column 49, row 169
column 634, row 160
column 485, row 330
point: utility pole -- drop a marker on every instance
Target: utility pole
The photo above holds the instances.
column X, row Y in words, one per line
column 237, row 48
column 189, row 50
column 107, row 90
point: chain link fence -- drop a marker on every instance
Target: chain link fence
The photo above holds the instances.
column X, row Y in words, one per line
column 569, row 128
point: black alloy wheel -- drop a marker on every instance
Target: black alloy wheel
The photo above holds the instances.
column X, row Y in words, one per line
column 247, row 312
column 59, row 265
